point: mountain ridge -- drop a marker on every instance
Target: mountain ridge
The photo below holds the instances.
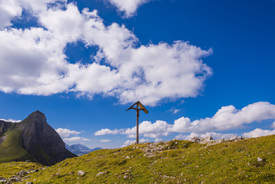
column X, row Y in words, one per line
column 80, row 149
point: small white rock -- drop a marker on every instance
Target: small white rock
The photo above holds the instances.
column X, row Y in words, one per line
column 81, row 173
column 259, row 159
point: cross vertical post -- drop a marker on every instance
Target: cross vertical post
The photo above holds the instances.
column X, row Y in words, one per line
column 139, row 107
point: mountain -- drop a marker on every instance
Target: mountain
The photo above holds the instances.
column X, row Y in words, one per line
column 80, row 149
column 32, row 139
column 177, row 161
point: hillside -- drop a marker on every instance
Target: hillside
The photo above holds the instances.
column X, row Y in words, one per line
column 245, row 161
column 32, row 139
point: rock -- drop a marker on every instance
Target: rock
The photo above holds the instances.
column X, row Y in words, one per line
column 220, row 140
column 127, row 157
column 236, row 138
column 81, row 173
column 102, row 173
column 14, row 179
column 209, row 138
column 196, row 139
column 3, row 180
column 29, row 182
column 22, row 173
column 259, row 159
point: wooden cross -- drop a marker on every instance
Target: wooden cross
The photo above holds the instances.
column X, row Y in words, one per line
column 138, row 107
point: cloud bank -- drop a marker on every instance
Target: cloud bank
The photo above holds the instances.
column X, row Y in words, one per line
column 33, row 60
column 226, row 118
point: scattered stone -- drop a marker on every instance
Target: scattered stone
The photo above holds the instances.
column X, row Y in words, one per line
column 209, row 138
column 29, row 182
column 196, row 139
column 3, row 180
column 102, row 173
column 236, row 138
column 127, row 157
column 22, row 173
column 128, row 176
column 259, row 159
column 81, row 173
column 15, row 179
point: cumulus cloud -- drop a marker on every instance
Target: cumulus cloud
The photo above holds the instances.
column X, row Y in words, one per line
column 259, row 132
column 13, row 8
column 76, row 139
column 33, row 62
column 226, row 118
column 63, row 132
column 273, row 125
column 9, row 10
column 129, row 7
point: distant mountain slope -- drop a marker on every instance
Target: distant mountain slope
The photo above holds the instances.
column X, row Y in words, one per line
column 80, row 149
column 32, row 139
column 244, row 161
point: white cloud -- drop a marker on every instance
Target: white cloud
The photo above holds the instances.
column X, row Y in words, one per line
column 107, row 131
column 8, row 10
column 33, row 62
column 226, row 118
column 129, row 7
column 130, row 142
column 63, row 132
column 148, row 129
column 273, row 125
column 259, row 132
column 76, row 139
column 158, row 140
column 11, row 120
column 105, row 140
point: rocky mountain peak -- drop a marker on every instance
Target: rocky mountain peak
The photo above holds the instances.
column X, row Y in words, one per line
column 35, row 117
column 39, row 138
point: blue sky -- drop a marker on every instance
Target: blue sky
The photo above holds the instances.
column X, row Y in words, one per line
column 200, row 67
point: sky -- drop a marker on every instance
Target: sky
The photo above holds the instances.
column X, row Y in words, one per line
column 200, row 67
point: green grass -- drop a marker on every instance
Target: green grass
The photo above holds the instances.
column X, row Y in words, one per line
column 9, row 169
column 11, row 149
column 177, row 162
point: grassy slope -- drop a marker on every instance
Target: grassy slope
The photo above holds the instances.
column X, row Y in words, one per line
column 181, row 161
column 11, row 149
column 9, row 169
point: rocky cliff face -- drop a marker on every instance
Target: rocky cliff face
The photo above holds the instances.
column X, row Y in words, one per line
column 4, row 127
column 37, row 138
